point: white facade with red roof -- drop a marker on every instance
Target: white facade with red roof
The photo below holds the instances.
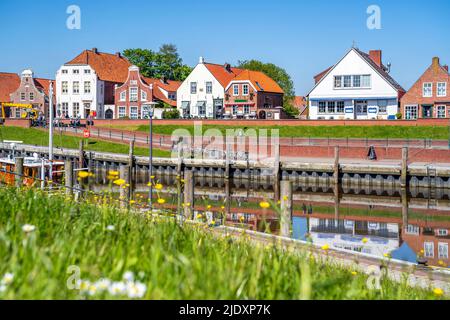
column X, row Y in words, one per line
column 359, row 86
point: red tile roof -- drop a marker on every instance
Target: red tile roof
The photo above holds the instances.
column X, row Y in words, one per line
column 109, row 67
column 9, row 82
column 222, row 74
column 260, row 81
column 44, row 84
column 169, row 85
column 319, row 76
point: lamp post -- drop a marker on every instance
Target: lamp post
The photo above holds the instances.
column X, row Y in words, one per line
column 150, row 162
column 50, row 132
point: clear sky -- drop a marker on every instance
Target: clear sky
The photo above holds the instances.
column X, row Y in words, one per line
column 304, row 37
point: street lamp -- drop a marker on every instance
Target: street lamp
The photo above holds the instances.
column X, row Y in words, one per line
column 150, row 191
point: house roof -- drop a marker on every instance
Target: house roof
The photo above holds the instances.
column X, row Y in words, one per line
column 9, row 82
column 169, row 85
column 319, row 76
column 109, row 67
column 259, row 80
column 300, row 103
column 221, row 74
column 44, row 85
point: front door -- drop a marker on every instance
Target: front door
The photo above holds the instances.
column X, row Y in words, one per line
column 427, row 111
column 361, row 108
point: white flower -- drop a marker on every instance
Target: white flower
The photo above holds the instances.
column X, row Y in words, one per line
column 110, row 228
column 84, row 285
column 103, row 284
column 117, row 288
column 27, row 228
column 2, row 288
column 7, row 279
column 136, row 290
column 128, row 276
column 92, row 289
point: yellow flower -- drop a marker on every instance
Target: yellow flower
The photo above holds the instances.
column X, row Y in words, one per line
column 387, row 255
column 83, row 174
column 279, row 201
column 285, row 198
column 113, row 173
column 222, row 207
column 149, row 184
column 127, row 185
column 213, row 222
column 264, row 205
column 242, row 219
column 158, row 186
column 119, row 182
column 132, row 202
column 199, row 216
column 49, row 181
column 354, row 273
column 209, row 207
column 441, row 263
column 152, row 177
column 161, row 201
column 325, row 247
column 421, row 251
column 365, row 240
column 438, row 292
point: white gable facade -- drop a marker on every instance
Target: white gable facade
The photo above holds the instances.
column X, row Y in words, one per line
column 201, row 95
column 354, row 89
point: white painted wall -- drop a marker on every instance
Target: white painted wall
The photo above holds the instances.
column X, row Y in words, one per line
column 201, row 75
column 354, row 64
column 95, row 97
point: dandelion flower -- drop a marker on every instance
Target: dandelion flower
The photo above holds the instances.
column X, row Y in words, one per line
column 132, row 202
column 28, row 228
column 438, row 292
column 285, row 198
column 149, row 184
column 222, row 207
column 441, row 263
column 83, row 174
column 387, row 255
column 113, row 173
column 325, row 247
column 354, row 273
column 158, row 186
column 199, row 216
column 161, row 201
column 242, row 219
column 209, row 207
column 365, row 240
column 7, row 279
column 264, row 205
column 119, row 182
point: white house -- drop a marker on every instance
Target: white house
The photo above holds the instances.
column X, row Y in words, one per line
column 357, row 87
column 201, row 95
column 85, row 85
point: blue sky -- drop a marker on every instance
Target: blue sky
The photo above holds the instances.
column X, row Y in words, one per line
column 304, row 37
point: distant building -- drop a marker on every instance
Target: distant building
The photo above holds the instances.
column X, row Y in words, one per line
column 133, row 98
column 85, row 85
column 252, row 94
column 301, row 104
column 429, row 97
column 359, row 86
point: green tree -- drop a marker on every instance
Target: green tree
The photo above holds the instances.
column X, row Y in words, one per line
column 164, row 63
column 280, row 76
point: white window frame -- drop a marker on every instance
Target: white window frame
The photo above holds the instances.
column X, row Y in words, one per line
column 209, row 87
column 87, row 71
column 193, row 87
column 76, row 71
column 443, row 250
column 410, row 108
column 412, row 229
column 444, row 94
column 87, row 87
column 23, row 96
column 64, row 87
column 442, row 232
column 134, row 112
column 76, row 87
column 245, row 89
column 75, row 106
column 235, row 109
column 329, row 105
column 143, row 95
column 427, row 89
column 64, row 109
column 246, row 109
column 64, row 71
column 121, row 112
column 322, row 104
column 235, row 90
column 428, row 248
column 134, row 94
column 31, row 96
column 340, row 105
column 382, row 106
column 123, row 95
column 439, row 110
column 338, row 82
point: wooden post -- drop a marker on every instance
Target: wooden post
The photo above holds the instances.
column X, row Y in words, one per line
column 81, row 155
column 18, row 170
column 286, row 208
column 405, row 207
column 131, row 168
column 276, row 173
column 336, row 166
column 404, row 173
column 68, row 172
column 227, row 180
column 124, row 194
column 188, row 194
column 336, row 202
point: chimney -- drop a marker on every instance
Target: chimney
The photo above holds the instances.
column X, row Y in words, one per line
column 118, row 54
column 435, row 64
column 164, row 79
column 376, row 56
column 201, row 60
column 446, row 68
column 227, row 67
column 95, row 50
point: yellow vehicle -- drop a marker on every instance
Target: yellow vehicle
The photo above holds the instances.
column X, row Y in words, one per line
column 29, row 111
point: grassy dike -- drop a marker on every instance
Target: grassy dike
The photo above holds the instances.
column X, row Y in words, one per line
column 37, row 137
column 42, row 236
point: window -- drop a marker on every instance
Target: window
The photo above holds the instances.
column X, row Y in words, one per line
column 356, row 81
column 31, row 96
column 193, row 87
column 427, row 89
column 245, row 89
column 134, row 94
column 133, row 112
column 64, row 71
column 202, row 109
column 235, row 109
column 246, row 109
column 429, row 249
column 443, row 250
column 322, row 106
column 208, row 87
column 18, row 113
column 347, row 81
column 76, row 71
column 331, row 107
column 442, row 89
column 411, row 112
column 22, row 96
column 123, row 95
column 87, row 87
column 172, row 95
column 87, row 71
column 412, row 229
column 366, row 81
column 143, row 95
column 65, row 109
column 76, row 109
column 76, row 87
column 340, row 107
column 338, row 81
column 64, row 87
column 382, row 106
column 361, row 107
column 441, row 111
column 122, row 112
column 442, row 232
column 235, row 90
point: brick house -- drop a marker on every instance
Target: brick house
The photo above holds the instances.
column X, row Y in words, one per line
column 133, row 98
column 25, row 89
column 429, row 96
column 252, row 94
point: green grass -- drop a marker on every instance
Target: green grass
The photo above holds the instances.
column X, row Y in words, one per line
column 38, row 137
column 370, row 132
column 173, row 262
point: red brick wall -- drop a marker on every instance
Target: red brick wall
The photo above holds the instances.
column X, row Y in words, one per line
column 23, row 123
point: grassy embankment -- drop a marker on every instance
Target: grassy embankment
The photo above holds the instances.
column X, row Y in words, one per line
column 42, row 236
column 371, row 132
column 38, row 137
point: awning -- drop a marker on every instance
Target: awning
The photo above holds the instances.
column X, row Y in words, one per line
column 352, row 98
column 185, row 104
